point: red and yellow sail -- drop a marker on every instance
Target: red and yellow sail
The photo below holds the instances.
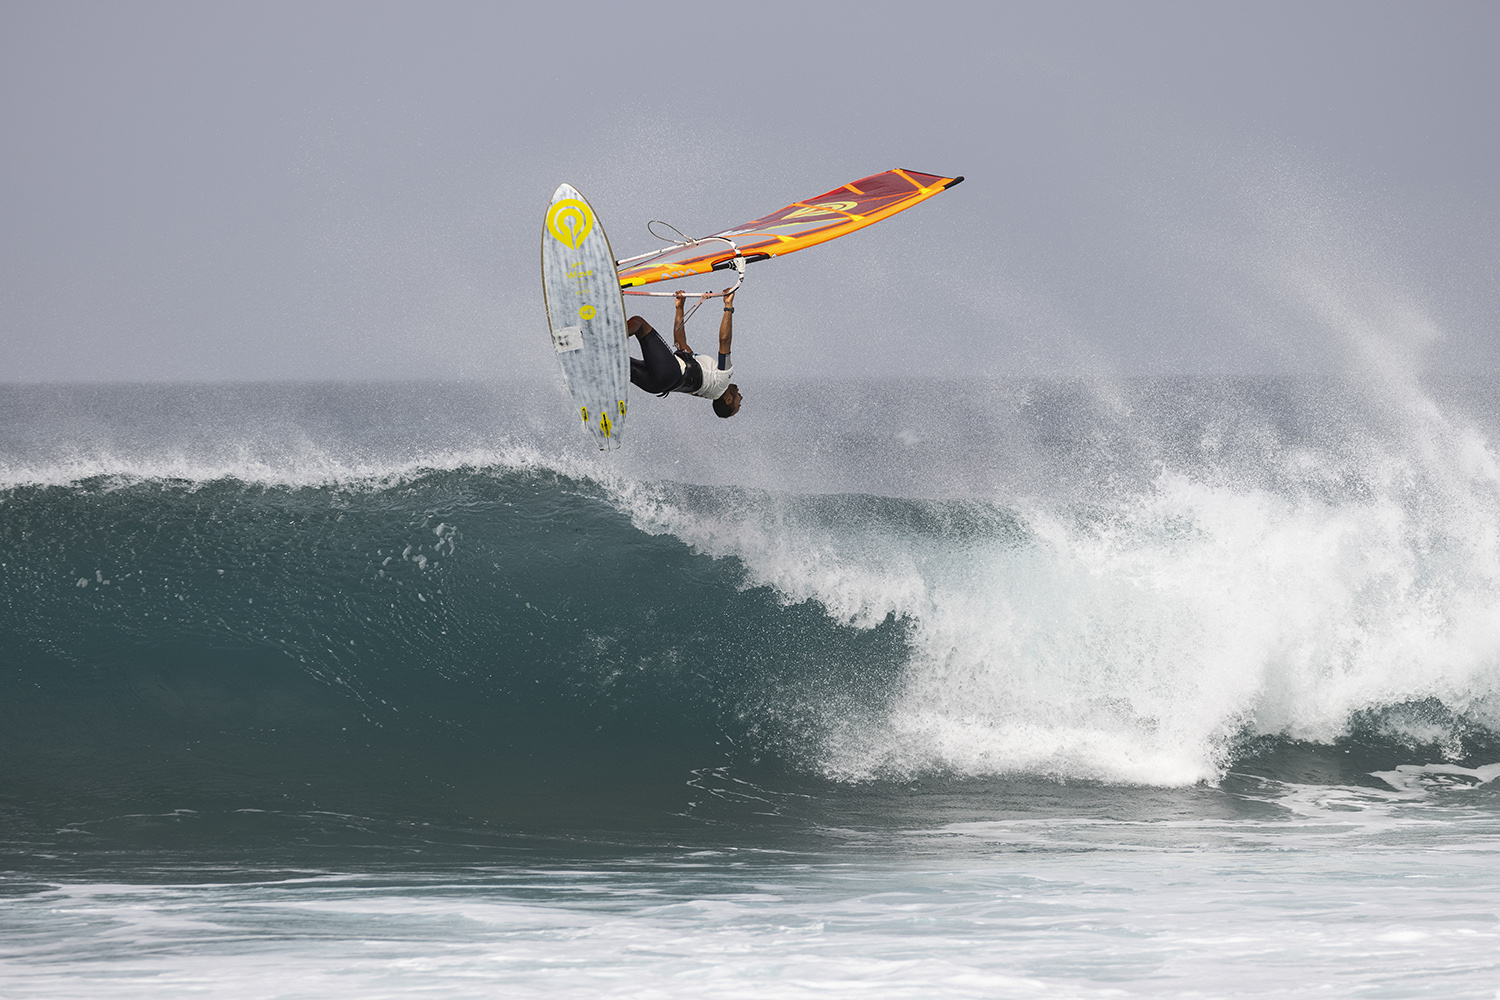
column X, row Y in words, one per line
column 801, row 224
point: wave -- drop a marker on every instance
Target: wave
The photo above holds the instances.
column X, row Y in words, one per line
column 491, row 612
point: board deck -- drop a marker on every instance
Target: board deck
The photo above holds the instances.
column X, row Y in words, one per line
column 586, row 313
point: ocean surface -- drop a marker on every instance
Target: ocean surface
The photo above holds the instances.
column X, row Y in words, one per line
column 1115, row 688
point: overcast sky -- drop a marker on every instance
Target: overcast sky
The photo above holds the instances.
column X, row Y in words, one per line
column 355, row 190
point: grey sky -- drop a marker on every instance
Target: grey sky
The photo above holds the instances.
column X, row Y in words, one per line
column 354, row 190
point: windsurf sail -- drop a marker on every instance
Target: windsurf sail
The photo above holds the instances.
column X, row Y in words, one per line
column 801, row 224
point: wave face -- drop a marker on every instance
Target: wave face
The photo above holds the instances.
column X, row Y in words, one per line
column 494, row 625
column 354, row 595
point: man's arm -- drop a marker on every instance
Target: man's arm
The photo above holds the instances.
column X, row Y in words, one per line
column 726, row 329
column 679, row 326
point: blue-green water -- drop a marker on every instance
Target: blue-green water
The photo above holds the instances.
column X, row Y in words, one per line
column 1150, row 689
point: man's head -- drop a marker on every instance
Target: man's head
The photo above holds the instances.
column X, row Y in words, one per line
column 728, row 404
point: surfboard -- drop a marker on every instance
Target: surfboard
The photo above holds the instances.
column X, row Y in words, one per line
column 586, row 313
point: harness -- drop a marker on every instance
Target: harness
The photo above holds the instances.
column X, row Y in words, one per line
column 692, row 374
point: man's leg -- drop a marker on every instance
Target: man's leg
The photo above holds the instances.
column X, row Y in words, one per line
column 656, row 370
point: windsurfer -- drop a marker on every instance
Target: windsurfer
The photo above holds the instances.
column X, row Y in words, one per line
column 661, row 370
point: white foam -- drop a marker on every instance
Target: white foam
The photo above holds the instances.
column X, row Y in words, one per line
column 1135, row 645
column 1421, row 779
column 308, row 466
column 1062, row 907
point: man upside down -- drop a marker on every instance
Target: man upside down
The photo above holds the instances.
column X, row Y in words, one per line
column 662, row 370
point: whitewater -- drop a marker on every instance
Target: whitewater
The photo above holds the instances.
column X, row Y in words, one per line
column 1095, row 687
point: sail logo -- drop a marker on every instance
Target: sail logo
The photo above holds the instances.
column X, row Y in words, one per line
column 823, row 208
column 570, row 221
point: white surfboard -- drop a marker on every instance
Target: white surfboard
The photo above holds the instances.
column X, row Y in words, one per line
column 586, row 313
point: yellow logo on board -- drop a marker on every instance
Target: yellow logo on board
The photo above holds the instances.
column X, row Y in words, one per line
column 587, row 312
column 570, row 221
column 822, row 208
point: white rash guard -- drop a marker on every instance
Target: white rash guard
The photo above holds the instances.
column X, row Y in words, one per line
column 715, row 379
